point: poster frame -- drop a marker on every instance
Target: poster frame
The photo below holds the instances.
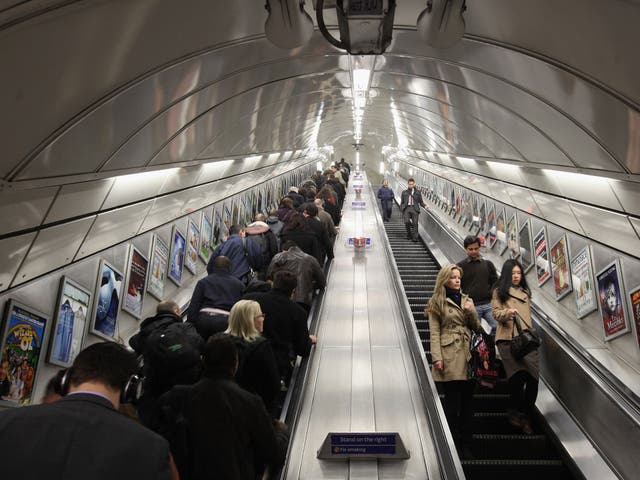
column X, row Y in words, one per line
column 191, row 247
column 542, row 279
column 513, row 239
column 502, row 244
column 157, row 244
column 130, row 255
column 563, row 244
column 96, row 300
column 634, row 313
column 64, row 281
column 615, row 264
column 586, row 252
column 204, row 249
column 174, row 273
column 529, row 243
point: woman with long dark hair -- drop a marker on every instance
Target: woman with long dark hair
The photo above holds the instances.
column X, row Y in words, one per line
column 452, row 317
column 512, row 297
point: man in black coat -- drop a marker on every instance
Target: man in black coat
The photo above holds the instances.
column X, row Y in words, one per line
column 229, row 432
column 83, row 436
column 213, row 297
column 285, row 322
column 325, row 250
column 410, row 203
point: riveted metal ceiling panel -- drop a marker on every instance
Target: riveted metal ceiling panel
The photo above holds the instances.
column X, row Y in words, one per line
column 22, row 209
column 78, row 199
column 12, row 252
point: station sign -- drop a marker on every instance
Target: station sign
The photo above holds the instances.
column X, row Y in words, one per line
column 359, row 204
column 359, row 242
column 358, row 186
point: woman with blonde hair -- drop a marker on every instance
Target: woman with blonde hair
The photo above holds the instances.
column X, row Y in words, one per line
column 452, row 317
column 257, row 368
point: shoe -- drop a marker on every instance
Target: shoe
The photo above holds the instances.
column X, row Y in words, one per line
column 515, row 419
column 527, row 429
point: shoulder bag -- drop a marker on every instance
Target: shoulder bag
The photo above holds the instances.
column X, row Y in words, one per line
column 526, row 342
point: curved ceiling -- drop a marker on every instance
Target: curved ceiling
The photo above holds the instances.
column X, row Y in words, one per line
column 97, row 89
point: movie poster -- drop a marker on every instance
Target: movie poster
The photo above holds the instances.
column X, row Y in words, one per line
column 193, row 243
column 482, row 221
column 526, row 246
column 22, row 341
column 513, row 241
column 634, row 299
column 583, row 289
column 226, row 214
column 491, row 228
column 219, row 229
column 67, row 333
column 206, row 231
column 176, row 259
column 158, row 268
column 136, row 282
column 610, row 296
column 107, row 301
column 458, row 205
column 463, row 207
column 560, row 268
column 475, row 215
column 501, row 231
column 543, row 268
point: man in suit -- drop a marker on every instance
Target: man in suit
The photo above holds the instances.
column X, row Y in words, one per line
column 410, row 203
column 83, row 435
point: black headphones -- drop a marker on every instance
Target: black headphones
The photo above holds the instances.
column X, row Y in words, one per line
column 130, row 393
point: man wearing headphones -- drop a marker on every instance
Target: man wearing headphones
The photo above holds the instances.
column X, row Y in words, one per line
column 83, row 435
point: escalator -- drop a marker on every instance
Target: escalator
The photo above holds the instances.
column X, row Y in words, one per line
column 498, row 450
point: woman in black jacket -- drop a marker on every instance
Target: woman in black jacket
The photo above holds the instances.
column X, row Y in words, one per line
column 297, row 230
column 257, row 368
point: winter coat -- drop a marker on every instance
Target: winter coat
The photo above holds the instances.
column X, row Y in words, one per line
column 262, row 235
column 307, row 269
column 160, row 322
column 243, row 253
column 276, row 225
column 519, row 300
column 385, row 194
column 417, row 200
column 451, row 339
column 220, row 289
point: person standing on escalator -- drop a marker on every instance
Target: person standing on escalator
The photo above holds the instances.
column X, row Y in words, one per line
column 410, row 203
column 452, row 317
column 512, row 297
column 385, row 194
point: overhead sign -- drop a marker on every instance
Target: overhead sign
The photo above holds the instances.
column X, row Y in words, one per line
column 368, row 445
column 358, row 186
column 359, row 241
column 359, row 204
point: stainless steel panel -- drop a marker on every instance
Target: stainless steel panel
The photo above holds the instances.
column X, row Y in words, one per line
column 78, row 199
column 628, row 194
column 557, row 210
column 22, row 209
column 53, row 248
column 181, row 178
column 12, row 252
column 599, row 225
column 135, row 187
column 114, row 227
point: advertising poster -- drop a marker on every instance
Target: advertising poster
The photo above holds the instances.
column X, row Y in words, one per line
column 475, row 215
column 543, row 268
column 235, row 211
column 108, row 295
column 193, row 243
column 458, row 205
column 463, row 207
column 158, row 267
column 482, row 222
column 218, row 229
column 583, row 289
column 610, row 297
column 260, row 207
column 491, row 228
column 526, row 246
column 452, row 199
column 176, row 258
column 22, row 342
column 501, row 232
column 468, row 208
column 634, row 302
column 560, row 268
column 136, row 282
column 70, row 319
column 513, row 241
column 206, row 231
column 226, row 214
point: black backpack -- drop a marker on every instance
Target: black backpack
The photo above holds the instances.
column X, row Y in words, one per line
column 172, row 357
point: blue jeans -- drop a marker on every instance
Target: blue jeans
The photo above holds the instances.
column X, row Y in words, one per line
column 486, row 311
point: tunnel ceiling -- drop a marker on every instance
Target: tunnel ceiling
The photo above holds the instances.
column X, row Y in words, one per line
column 92, row 90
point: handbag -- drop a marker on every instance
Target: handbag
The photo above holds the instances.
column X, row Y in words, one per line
column 526, row 342
column 482, row 365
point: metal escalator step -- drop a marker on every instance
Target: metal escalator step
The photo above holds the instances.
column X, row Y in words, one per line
column 515, row 446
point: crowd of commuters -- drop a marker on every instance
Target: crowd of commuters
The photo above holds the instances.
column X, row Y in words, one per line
column 213, row 384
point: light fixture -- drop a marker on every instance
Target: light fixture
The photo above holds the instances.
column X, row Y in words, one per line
column 365, row 26
column 361, row 79
column 441, row 24
column 288, row 25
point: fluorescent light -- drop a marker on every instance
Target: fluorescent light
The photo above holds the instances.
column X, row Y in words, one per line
column 381, row 168
column 360, row 102
column 319, row 166
column 361, row 79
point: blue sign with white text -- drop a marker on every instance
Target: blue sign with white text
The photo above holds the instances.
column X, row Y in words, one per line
column 363, row 444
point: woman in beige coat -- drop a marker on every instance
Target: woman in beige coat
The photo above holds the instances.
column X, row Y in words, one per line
column 512, row 296
column 452, row 317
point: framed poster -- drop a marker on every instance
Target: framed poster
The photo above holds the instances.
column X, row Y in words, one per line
column 475, row 215
column 501, row 231
column 107, row 301
column 193, row 243
column 218, row 229
column 206, row 231
column 513, row 241
column 610, row 295
column 158, row 267
column 67, row 332
column 526, row 246
column 491, row 228
column 482, row 221
column 176, row 256
column 458, row 205
column 582, row 276
column 543, row 269
column 560, row 268
column 135, row 282
column 21, row 344
column 634, row 305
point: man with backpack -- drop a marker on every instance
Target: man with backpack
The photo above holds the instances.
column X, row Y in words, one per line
column 261, row 234
column 170, row 350
column 243, row 252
